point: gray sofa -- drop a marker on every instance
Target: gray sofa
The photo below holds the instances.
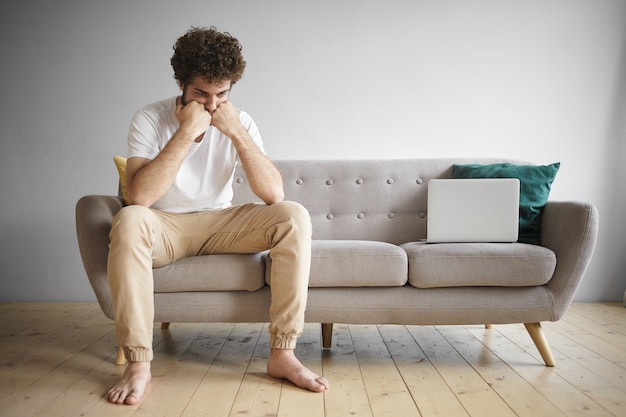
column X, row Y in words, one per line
column 370, row 264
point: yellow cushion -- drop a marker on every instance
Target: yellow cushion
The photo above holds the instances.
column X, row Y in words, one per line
column 120, row 163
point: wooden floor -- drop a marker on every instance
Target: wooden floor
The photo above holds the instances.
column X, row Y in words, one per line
column 58, row 360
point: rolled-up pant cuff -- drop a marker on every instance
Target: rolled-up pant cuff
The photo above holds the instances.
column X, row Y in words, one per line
column 283, row 342
column 138, row 354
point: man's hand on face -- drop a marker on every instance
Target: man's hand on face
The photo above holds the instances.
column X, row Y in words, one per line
column 226, row 119
column 193, row 118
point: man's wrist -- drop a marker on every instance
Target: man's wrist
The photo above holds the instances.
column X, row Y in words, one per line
column 239, row 134
column 188, row 133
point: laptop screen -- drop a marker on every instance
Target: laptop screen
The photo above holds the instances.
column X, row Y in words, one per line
column 473, row 210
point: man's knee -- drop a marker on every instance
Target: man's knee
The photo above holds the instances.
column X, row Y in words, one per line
column 132, row 218
column 296, row 213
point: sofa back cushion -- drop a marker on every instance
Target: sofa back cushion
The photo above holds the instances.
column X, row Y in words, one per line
column 376, row 200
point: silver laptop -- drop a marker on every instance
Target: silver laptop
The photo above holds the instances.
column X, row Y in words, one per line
column 473, row 210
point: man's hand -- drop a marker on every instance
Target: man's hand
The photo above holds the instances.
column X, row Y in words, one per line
column 226, row 119
column 194, row 119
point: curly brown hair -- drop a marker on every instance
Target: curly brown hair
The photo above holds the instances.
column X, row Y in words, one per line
column 207, row 53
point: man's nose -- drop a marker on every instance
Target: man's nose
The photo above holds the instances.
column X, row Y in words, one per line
column 211, row 104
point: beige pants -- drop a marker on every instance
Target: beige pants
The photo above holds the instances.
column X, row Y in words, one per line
column 143, row 238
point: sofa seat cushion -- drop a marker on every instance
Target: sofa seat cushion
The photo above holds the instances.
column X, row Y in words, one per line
column 230, row 272
column 478, row 264
column 355, row 263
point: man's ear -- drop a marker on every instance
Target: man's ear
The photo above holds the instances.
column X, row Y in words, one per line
column 180, row 84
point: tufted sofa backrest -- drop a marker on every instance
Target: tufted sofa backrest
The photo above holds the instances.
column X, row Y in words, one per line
column 381, row 200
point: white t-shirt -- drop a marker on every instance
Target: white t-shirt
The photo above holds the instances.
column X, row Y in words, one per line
column 204, row 181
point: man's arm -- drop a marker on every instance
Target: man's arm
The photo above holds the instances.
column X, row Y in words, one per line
column 264, row 178
column 148, row 180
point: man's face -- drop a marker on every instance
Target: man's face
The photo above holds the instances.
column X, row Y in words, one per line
column 210, row 95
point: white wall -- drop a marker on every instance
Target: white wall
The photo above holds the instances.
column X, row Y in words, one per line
column 541, row 80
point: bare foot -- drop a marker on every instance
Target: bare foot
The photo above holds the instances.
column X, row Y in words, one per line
column 283, row 364
column 131, row 387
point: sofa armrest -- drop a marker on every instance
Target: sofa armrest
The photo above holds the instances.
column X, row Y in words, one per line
column 94, row 214
column 570, row 229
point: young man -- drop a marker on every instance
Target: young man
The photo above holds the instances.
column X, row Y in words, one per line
column 182, row 153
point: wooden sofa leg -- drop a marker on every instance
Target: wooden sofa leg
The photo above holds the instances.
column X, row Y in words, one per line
column 165, row 325
column 327, row 335
column 488, row 326
column 120, row 359
column 536, row 333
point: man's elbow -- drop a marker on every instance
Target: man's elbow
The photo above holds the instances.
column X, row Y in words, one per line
column 139, row 202
column 138, row 199
column 275, row 197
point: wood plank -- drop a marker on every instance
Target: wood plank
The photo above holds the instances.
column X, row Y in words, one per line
column 557, row 390
column 477, row 396
column 20, row 318
column 587, row 395
column 58, row 361
column 54, row 327
column 40, row 357
column 607, row 359
column 63, row 368
column 176, row 387
column 606, row 339
column 81, row 396
column 386, row 390
column 347, row 395
column 524, row 399
column 574, row 348
column 610, row 315
column 218, row 388
column 259, row 394
column 429, row 390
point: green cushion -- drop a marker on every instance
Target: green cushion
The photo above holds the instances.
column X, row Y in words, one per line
column 535, row 183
